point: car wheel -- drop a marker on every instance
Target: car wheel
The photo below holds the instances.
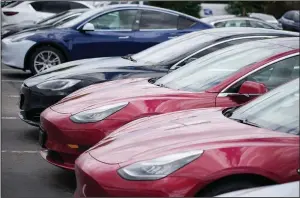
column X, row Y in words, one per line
column 45, row 57
column 221, row 188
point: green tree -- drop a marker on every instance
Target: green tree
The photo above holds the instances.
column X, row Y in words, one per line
column 188, row 7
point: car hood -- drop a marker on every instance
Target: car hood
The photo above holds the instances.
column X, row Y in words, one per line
column 198, row 129
column 116, row 91
column 81, row 69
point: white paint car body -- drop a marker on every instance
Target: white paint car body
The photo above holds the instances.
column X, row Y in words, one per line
column 24, row 12
column 290, row 189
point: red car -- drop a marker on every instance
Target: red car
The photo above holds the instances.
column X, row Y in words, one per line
column 202, row 152
column 227, row 77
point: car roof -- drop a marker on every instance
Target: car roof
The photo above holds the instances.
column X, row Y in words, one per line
column 226, row 31
column 288, row 42
column 111, row 7
column 227, row 17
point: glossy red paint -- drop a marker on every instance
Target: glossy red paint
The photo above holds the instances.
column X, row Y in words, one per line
column 145, row 99
column 230, row 148
column 250, row 87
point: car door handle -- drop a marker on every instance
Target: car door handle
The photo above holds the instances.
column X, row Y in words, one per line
column 170, row 37
column 123, row 37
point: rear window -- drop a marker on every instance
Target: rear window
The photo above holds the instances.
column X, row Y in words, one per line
column 11, row 4
column 184, row 23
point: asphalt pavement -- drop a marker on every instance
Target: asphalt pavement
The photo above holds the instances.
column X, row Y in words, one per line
column 24, row 172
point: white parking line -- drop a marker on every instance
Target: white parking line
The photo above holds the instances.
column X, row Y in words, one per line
column 5, row 151
column 9, row 118
column 18, row 81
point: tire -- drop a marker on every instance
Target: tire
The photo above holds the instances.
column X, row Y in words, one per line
column 225, row 187
column 35, row 56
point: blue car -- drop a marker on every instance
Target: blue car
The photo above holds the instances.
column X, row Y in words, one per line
column 291, row 20
column 115, row 30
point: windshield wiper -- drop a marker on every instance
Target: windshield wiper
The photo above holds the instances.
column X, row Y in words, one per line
column 128, row 57
column 245, row 121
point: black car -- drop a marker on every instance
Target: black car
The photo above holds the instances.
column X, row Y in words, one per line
column 291, row 20
column 10, row 29
column 45, row 89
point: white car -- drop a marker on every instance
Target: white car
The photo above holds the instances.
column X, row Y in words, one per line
column 33, row 11
column 290, row 189
column 266, row 17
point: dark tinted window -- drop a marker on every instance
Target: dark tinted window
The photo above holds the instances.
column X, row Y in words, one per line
column 220, row 24
column 184, row 23
column 75, row 5
column 296, row 17
column 289, row 15
column 51, row 6
column 157, row 20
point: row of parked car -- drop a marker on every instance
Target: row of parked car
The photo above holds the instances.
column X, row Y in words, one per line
column 107, row 31
column 211, row 111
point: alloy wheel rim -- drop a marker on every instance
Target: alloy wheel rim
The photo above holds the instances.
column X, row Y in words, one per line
column 45, row 60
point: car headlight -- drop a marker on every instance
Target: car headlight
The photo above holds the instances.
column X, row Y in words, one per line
column 158, row 168
column 97, row 114
column 20, row 37
column 56, row 85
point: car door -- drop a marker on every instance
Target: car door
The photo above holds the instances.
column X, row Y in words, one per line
column 156, row 27
column 113, row 36
column 271, row 76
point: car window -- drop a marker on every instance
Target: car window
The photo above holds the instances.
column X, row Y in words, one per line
column 258, row 24
column 122, row 19
column 50, row 6
column 157, row 20
column 184, row 23
column 277, row 110
column 273, row 75
column 67, row 19
column 237, row 23
column 289, row 15
column 75, row 5
column 220, row 24
column 214, row 68
column 218, row 47
column 296, row 17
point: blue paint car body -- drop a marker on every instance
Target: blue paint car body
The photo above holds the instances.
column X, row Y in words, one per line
column 77, row 44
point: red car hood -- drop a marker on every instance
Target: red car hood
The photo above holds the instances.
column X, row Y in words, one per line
column 113, row 92
column 180, row 131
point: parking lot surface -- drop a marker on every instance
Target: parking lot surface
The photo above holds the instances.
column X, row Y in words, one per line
column 24, row 172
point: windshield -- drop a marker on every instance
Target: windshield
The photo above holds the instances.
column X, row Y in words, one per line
column 277, row 110
column 172, row 49
column 215, row 67
column 81, row 18
column 54, row 18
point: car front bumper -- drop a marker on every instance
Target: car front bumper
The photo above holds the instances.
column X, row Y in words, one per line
column 14, row 53
column 98, row 179
column 67, row 140
column 33, row 103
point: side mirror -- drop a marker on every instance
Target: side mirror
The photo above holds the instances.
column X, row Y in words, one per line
column 88, row 27
column 252, row 88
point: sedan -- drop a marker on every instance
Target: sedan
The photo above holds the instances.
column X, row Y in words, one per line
column 199, row 152
column 233, row 21
column 32, row 11
column 45, row 89
column 63, row 17
column 227, row 77
column 115, row 30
